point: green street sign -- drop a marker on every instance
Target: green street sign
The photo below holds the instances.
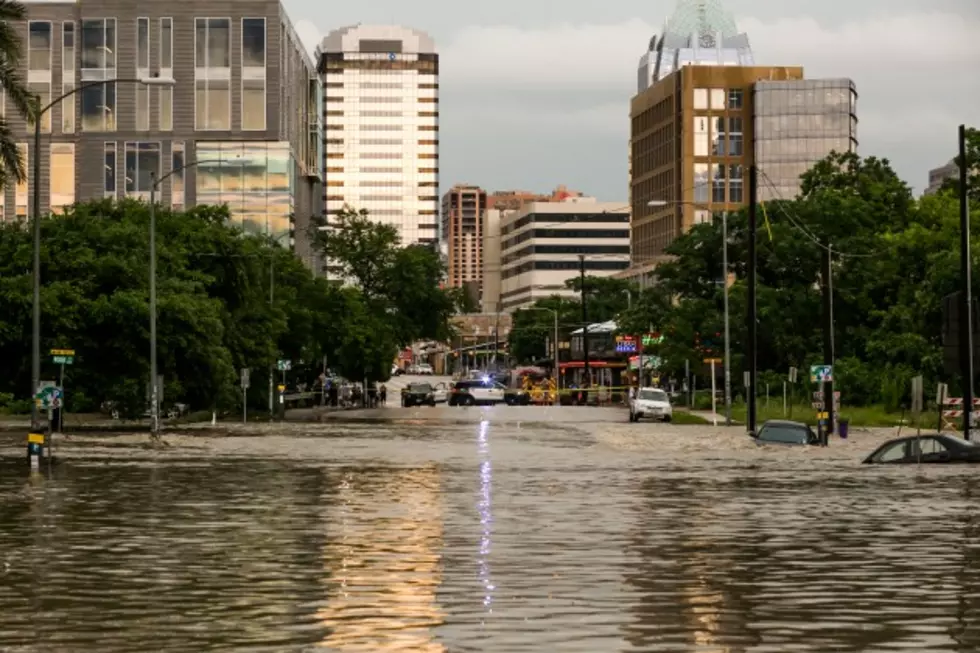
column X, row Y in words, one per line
column 284, row 365
column 63, row 360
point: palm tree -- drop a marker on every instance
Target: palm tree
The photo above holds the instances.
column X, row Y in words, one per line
column 14, row 88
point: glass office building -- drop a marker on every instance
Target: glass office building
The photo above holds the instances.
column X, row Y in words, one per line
column 796, row 124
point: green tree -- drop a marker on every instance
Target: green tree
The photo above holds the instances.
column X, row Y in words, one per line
column 12, row 15
column 532, row 329
column 972, row 166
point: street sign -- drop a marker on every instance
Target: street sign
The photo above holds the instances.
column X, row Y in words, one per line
column 284, row 365
column 282, row 388
column 709, row 361
column 62, row 352
column 747, row 378
column 821, row 373
column 917, row 394
column 792, row 374
column 245, row 378
column 63, row 360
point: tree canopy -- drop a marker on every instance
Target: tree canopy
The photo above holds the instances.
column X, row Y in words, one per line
column 227, row 300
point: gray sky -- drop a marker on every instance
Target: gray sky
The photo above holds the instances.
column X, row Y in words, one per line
column 535, row 93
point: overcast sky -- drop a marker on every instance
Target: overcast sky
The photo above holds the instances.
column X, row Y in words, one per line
column 535, row 93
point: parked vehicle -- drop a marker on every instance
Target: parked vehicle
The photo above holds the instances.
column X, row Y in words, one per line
column 930, row 448
column 779, row 431
column 517, row 397
column 424, row 369
column 396, row 370
column 651, row 403
column 471, row 392
column 423, row 394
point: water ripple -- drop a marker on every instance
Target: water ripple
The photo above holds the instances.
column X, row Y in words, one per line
column 487, row 536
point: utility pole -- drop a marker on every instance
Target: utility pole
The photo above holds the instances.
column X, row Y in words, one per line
column 272, row 297
column 585, row 324
column 751, row 358
column 828, row 334
column 728, row 340
column 966, row 300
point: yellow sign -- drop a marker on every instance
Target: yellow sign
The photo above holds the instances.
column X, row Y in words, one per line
column 282, row 388
column 709, row 361
column 823, row 415
column 62, row 352
column 35, row 438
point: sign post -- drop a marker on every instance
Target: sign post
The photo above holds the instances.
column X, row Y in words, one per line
column 793, row 372
column 62, row 357
column 714, row 395
column 245, row 385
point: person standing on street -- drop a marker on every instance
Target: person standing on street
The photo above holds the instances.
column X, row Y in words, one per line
column 383, row 394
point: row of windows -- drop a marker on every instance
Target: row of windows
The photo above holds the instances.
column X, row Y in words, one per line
column 564, row 249
column 564, row 265
column 718, row 99
column 549, row 218
column 376, row 141
column 99, row 36
column 710, row 183
column 563, row 233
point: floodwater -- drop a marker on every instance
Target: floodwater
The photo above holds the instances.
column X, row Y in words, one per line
column 506, row 530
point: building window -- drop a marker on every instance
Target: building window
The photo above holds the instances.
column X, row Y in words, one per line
column 735, row 98
column 21, row 190
column 212, row 75
column 62, row 175
column 253, row 74
column 735, row 136
column 735, row 184
column 39, row 46
column 109, row 169
column 718, row 183
column 142, row 72
column 702, row 193
column 177, row 177
column 701, row 135
column 142, row 159
column 165, row 94
column 98, row 45
column 67, row 76
column 718, row 99
column 718, row 136
column 701, row 99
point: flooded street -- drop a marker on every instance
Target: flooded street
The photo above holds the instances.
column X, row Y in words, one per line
column 503, row 529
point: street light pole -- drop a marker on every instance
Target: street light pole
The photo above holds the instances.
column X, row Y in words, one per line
column 728, row 340
column 154, row 392
column 36, row 217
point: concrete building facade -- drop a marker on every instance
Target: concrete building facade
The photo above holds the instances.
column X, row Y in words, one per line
column 381, row 119
column 241, row 124
column 463, row 208
column 938, row 176
column 541, row 246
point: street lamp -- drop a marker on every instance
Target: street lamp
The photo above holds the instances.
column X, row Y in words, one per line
column 36, row 227
column 724, row 264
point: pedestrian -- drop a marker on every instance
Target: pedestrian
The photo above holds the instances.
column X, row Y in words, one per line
column 372, row 395
column 383, row 392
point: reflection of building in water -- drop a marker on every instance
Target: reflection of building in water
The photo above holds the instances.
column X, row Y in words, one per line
column 690, row 593
column 382, row 554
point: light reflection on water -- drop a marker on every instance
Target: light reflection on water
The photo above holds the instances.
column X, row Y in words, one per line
column 486, row 537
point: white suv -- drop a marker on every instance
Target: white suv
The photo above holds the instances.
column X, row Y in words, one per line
column 423, row 368
column 651, row 402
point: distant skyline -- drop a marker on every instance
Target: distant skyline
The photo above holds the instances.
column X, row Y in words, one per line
column 537, row 94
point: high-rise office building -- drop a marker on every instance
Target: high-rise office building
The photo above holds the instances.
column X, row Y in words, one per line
column 938, row 176
column 463, row 207
column 241, row 124
column 381, row 118
column 695, row 132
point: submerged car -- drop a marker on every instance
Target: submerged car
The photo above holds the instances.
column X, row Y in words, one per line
column 781, row 431
column 652, row 403
column 928, row 448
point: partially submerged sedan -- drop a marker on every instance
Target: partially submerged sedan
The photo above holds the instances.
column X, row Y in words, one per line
column 927, row 448
column 785, row 432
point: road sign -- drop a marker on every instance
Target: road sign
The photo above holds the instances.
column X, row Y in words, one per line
column 282, row 388
column 48, row 395
column 822, row 415
column 62, row 352
column 792, row 375
column 245, row 378
column 284, row 365
column 63, row 360
column 747, row 378
column 709, row 361
column 821, row 373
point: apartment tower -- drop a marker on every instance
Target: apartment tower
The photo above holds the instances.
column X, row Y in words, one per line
column 240, row 126
column 381, row 120
column 463, row 209
column 706, row 117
